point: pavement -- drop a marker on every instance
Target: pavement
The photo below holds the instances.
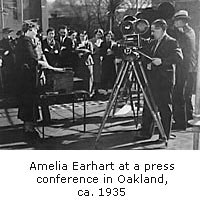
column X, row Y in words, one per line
column 64, row 134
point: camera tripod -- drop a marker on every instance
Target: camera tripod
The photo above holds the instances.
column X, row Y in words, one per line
column 128, row 67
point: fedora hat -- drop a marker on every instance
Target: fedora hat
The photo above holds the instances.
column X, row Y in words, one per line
column 182, row 14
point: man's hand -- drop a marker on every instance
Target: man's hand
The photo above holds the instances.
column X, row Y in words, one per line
column 157, row 61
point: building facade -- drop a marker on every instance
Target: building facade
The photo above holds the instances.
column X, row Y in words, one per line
column 14, row 12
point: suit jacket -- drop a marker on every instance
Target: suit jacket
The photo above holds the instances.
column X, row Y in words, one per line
column 65, row 43
column 187, row 43
column 66, row 48
column 170, row 54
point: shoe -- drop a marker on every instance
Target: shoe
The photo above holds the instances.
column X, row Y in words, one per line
column 172, row 136
column 161, row 141
column 32, row 136
column 189, row 125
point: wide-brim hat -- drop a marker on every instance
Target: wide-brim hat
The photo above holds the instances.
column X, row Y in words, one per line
column 7, row 30
column 181, row 14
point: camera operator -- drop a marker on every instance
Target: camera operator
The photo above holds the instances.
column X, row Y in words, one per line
column 161, row 75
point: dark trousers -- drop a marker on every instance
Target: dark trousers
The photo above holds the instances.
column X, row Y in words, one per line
column 163, row 100
column 179, row 104
column 182, row 100
column 188, row 91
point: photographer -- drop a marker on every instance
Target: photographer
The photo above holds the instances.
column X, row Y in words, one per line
column 161, row 75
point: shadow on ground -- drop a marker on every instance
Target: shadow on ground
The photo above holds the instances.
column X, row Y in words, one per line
column 110, row 140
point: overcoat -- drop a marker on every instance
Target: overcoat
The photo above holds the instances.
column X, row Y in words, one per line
column 26, row 66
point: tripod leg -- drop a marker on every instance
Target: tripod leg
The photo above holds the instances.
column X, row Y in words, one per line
column 129, row 84
column 116, row 84
column 113, row 96
column 132, row 106
column 138, row 103
column 123, row 88
column 137, row 92
column 135, row 85
column 151, row 106
column 114, row 108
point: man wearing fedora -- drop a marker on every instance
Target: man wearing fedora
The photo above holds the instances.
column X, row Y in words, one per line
column 186, row 70
column 7, row 45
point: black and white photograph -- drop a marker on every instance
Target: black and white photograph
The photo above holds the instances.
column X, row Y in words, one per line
column 99, row 104
column 99, row 75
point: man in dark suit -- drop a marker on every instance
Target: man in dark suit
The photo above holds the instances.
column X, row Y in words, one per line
column 66, row 47
column 161, row 75
column 186, row 70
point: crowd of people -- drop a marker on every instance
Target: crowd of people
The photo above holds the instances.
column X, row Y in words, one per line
column 27, row 59
column 171, row 72
column 67, row 48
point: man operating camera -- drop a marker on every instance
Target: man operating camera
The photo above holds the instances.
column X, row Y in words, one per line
column 160, row 73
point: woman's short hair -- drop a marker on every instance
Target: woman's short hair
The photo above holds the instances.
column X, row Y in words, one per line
column 99, row 30
column 160, row 23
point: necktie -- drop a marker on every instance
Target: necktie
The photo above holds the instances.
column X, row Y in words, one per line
column 61, row 40
column 156, row 46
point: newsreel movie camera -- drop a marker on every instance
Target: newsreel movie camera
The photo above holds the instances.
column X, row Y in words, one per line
column 132, row 29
